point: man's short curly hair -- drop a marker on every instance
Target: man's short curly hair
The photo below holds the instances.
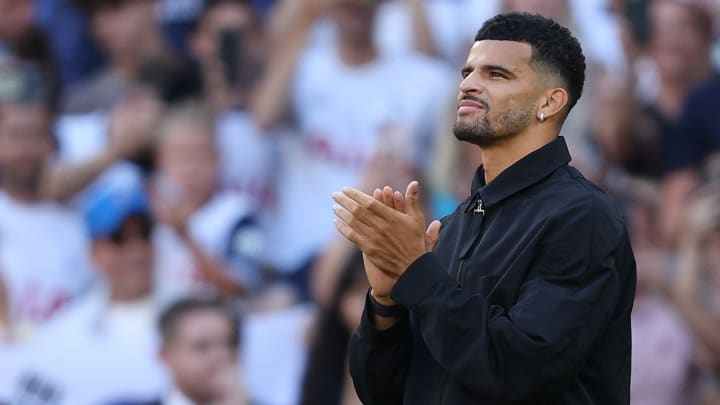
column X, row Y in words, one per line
column 554, row 48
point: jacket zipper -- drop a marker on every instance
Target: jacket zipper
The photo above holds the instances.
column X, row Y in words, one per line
column 443, row 382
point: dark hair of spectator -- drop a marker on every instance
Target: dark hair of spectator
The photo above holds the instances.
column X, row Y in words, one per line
column 175, row 313
column 554, row 49
column 325, row 372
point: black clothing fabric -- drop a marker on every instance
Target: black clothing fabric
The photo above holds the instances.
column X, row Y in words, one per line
column 526, row 299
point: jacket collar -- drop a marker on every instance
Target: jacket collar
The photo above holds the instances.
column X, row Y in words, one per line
column 522, row 174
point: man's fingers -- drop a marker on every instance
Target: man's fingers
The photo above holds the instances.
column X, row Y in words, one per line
column 352, row 221
column 349, row 204
column 377, row 194
column 432, row 235
column 399, row 202
column 387, row 199
column 349, row 233
column 391, row 198
column 363, row 200
column 412, row 199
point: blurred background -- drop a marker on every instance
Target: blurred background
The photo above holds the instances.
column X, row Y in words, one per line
column 166, row 169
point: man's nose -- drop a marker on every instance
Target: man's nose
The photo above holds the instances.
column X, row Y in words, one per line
column 471, row 84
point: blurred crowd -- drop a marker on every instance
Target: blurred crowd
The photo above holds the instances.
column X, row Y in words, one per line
column 166, row 230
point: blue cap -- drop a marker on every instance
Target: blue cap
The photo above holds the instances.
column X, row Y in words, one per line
column 109, row 204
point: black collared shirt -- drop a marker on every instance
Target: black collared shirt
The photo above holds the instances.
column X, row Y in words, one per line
column 526, row 299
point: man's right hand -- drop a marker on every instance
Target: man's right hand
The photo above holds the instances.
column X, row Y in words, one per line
column 382, row 282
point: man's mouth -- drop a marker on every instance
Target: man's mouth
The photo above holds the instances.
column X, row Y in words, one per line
column 467, row 105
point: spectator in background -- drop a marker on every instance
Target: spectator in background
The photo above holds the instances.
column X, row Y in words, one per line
column 697, row 287
column 680, row 39
column 87, row 150
column 206, row 238
column 92, row 145
column 680, row 44
column 200, row 350
column 42, row 271
column 229, row 46
column 693, row 153
column 113, row 327
column 662, row 355
column 346, row 97
column 127, row 31
column 228, row 43
column 327, row 381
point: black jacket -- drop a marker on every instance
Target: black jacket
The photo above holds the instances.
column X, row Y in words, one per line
column 526, row 299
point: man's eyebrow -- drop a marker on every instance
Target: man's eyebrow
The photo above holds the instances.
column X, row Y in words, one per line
column 499, row 69
column 467, row 69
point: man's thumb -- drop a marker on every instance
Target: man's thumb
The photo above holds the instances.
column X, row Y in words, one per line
column 432, row 235
column 412, row 197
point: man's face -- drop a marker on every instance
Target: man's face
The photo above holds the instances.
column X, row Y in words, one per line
column 199, row 352
column 499, row 93
column 126, row 258
column 677, row 45
column 25, row 142
column 188, row 156
column 120, row 29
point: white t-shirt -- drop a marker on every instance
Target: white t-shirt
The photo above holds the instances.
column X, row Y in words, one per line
column 92, row 353
column 226, row 230
column 248, row 158
column 343, row 114
column 43, row 258
column 81, row 136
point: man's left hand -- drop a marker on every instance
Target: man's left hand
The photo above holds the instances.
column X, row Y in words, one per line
column 392, row 239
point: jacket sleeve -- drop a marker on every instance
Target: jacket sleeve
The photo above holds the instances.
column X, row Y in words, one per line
column 379, row 360
column 569, row 294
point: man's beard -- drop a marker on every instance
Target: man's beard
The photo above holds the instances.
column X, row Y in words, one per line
column 482, row 133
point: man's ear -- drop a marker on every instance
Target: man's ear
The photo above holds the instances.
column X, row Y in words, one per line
column 553, row 104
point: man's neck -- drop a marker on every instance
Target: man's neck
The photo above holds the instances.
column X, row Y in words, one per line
column 498, row 157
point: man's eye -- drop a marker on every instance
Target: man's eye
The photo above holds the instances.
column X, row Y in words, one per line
column 497, row 74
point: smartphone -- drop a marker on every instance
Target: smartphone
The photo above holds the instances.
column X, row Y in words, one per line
column 230, row 51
